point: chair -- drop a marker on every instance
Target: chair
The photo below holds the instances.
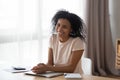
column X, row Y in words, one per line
column 86, row 66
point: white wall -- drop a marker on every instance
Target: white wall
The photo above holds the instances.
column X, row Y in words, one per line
column 114, row 6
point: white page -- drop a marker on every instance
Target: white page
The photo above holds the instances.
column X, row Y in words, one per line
column 13, row 70
column 47, row 74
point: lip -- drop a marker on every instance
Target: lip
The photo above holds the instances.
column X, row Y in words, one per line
column 61, row 33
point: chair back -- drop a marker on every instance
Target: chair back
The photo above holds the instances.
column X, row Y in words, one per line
column 86, row 66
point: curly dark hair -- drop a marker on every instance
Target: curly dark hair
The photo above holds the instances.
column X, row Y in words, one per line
column 75, row 21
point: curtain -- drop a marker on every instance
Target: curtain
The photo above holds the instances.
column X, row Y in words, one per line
column 99, row 41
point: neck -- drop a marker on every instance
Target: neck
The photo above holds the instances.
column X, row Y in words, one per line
column 63, row 39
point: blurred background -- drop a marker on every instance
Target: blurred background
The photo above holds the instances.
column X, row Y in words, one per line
column 25, row 28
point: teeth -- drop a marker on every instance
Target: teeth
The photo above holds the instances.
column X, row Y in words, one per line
column 60, row 32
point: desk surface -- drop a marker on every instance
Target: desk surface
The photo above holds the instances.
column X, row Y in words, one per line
column 4, row 75
column 21, row 76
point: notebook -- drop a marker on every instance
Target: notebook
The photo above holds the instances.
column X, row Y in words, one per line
column 16, row 69
column 48, row 74
column 72, row 75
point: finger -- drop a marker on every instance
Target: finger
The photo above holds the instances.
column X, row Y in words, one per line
column 35, row 67
column 40, row 64
column 36, row 71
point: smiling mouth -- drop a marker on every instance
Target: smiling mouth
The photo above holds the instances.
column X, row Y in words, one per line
column 61, row 33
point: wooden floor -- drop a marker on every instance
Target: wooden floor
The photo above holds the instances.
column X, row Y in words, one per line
column 116, row 77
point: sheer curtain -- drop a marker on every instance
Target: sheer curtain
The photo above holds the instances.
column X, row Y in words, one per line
column 25, row 28
column 19, row 39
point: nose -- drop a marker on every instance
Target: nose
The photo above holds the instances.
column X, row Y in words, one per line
column 59, row 29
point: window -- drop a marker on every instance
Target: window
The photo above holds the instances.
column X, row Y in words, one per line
column 25, row 28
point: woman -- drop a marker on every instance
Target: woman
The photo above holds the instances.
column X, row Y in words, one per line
column 65, row 46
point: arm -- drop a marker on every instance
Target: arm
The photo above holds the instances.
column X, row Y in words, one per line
column 41, row 67
column 70, row 66
column 50, row 57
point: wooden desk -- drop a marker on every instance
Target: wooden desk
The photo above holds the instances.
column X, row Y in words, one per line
column 4, row 75
column 21, row 76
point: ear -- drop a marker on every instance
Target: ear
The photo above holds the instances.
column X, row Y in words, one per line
column 71, row 29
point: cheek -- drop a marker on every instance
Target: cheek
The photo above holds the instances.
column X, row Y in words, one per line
column 67, row 32
column 56, row 29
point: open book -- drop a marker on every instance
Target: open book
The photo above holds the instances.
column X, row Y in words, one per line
column 48, row 74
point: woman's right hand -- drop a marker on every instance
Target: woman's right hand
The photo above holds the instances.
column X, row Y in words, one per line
column 40, row 68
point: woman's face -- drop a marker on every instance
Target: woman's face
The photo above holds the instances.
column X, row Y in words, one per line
column 63, row 29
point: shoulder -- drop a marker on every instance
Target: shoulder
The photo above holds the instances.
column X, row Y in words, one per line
column 77, row 43
column 52, row 40
column 77, row 39
column 53, row 37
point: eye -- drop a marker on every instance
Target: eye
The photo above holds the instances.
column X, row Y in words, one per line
column 57, row 25
column 64, row 26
